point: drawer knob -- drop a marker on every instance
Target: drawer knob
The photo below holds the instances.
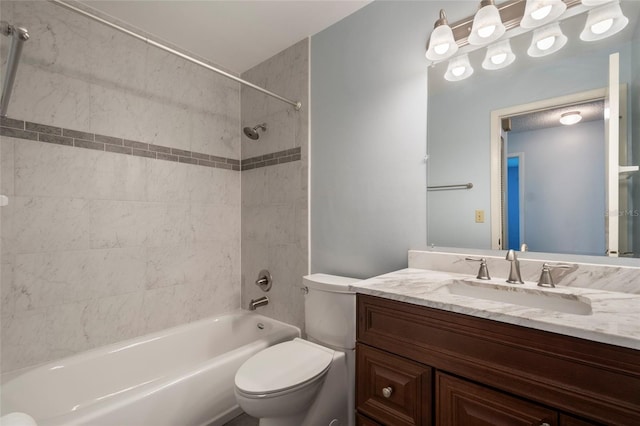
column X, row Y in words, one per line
column 386, row 392
column 545, row 424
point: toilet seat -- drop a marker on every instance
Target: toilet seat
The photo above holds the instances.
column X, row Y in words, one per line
column 283, row 368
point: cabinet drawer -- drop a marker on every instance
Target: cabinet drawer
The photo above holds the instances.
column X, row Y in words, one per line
column 391, row 389
column 460, row 402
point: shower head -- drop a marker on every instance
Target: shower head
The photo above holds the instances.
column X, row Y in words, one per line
column 252, row 132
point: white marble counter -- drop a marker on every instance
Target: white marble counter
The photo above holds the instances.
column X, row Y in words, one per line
column 614, row 318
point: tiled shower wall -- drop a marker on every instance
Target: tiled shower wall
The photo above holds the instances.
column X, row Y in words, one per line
column 111, row 242
column 275, row 194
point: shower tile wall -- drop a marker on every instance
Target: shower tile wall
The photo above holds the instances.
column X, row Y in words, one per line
column 96, row 246
column 274, row 197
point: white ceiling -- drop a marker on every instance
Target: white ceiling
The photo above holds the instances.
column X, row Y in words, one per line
column 590, row 111
column 234, row 34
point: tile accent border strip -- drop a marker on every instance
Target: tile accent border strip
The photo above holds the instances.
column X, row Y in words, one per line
column 73, row 138
column 272, row 159
column 13, row 128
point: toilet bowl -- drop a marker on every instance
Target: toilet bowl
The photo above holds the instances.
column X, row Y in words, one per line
column 307, row 382
column 282, row 382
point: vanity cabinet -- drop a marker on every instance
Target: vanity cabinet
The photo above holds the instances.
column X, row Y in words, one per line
column 422, row 366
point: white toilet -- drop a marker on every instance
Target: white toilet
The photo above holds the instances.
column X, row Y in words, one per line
column 307, row 382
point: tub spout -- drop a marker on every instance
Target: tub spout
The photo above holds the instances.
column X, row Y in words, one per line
column 258, row 302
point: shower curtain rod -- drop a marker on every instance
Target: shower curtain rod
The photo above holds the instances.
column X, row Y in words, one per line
column 296, row 105
column 18, row 36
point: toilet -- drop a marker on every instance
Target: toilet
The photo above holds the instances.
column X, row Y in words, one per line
column 307, row 382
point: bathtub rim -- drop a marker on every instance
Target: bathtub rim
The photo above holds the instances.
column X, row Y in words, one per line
column 8, row 376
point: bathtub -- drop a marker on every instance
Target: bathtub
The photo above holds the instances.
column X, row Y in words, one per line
column 182, row 376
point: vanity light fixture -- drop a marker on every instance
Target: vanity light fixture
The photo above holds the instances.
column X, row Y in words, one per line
column 459, row 68
column 547, row 40
column 540, row 12
column 442, row 45
column 487, row 24
column 499, row 55
column 541, row 17
column 603, row 22
column 571, row 117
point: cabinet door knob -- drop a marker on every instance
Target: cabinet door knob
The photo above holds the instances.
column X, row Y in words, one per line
column 386, row 392
column 545, row 424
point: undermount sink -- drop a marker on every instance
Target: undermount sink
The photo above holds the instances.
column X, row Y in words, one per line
column 517, row 294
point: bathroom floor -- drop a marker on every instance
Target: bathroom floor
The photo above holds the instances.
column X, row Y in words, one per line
column 243, row 420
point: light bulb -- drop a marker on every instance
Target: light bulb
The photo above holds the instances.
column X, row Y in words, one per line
column 602, row 26
column 546, row 42
column 458, row 71
column 441, row 48
column 485, row 32
column 541, row 13
column 499, row 58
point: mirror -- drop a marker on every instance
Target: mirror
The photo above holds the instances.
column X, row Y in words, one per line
column 459, row 129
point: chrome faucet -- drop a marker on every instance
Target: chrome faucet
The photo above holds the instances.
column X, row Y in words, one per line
column 261, row 301
column 546, row 279
column 514, row 272
column 483, row 272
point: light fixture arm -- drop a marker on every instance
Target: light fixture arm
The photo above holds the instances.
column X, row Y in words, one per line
column 442, row 20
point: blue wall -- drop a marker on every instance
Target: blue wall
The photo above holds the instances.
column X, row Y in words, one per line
column 564, row 198
column 368, row 139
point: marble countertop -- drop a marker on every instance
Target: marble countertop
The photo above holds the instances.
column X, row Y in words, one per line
column 605, row 316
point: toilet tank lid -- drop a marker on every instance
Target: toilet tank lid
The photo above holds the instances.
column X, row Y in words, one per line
column 328, row 282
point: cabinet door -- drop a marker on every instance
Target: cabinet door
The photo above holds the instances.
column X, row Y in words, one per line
column 392, row 390
column 573, row 421
column 459, row 402
column 365, row 421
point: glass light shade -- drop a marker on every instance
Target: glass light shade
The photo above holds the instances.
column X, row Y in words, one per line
column 541, row 12
column 569, row 118
column 547, row 40
column 459, row 68
column 487, row 26
column 603, row 22
column 498, row 56
column 442, row 45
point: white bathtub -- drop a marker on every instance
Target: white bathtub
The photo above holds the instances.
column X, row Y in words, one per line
column 182, row 376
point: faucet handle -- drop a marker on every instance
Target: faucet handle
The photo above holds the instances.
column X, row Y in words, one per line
column 546, row 280
column 483, row 272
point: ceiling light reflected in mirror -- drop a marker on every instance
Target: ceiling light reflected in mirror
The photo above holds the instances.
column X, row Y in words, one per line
column 570, row 118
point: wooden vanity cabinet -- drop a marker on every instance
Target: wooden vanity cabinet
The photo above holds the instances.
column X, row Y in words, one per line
column 447, row 369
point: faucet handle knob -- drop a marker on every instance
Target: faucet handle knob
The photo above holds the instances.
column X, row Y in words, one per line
column 483, row 272
column 546, row 279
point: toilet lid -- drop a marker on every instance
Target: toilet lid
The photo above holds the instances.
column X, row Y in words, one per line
column 283, row 366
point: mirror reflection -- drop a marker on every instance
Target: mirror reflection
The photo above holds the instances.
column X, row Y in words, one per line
column 558, row 202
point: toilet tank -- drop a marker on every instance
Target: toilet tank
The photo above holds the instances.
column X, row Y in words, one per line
column 330, row 310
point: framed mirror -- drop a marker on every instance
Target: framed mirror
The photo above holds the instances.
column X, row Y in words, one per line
column 460, row 149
